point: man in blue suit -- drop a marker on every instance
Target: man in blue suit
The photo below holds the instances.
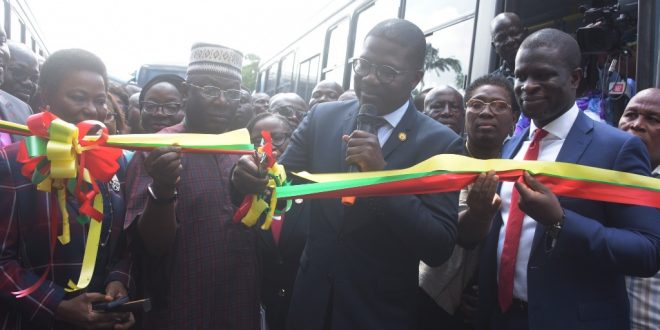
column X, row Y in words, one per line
column 572, row 254
column 359, row 269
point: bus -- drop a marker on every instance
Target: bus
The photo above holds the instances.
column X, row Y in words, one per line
column 458, row 39
column 21, row 26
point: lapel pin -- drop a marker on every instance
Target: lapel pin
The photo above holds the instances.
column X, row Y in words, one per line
column 403, row 136
column 298, row 200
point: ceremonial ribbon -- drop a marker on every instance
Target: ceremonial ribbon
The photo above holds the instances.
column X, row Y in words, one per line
column 234, row 142
column 60, row 157
column 57, row 159
column 444, row 173
column 253, row 206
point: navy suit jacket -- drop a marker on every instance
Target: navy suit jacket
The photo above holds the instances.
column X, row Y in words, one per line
column 361, row 261
column 580, row 282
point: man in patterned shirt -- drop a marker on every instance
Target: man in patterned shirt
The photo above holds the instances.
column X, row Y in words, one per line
column 199, row 268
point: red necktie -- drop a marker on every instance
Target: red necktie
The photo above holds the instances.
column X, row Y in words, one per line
column 512, row 234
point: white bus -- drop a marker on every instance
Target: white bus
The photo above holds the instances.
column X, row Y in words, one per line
column 457, row 34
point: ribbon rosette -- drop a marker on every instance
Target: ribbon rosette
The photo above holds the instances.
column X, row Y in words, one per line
column 58, row 158
column 253, row 206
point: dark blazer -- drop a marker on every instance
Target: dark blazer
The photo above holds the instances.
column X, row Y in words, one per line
column 580, row 282
column 14, row 110
column 280, row 263
column 360, row 263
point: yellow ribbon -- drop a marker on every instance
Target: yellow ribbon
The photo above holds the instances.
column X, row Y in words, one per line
column 91, row 249
column 62, row 149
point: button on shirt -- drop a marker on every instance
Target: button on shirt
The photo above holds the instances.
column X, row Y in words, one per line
column 393, row 118
column 549, row 149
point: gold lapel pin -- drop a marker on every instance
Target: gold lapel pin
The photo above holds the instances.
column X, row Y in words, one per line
column 402, row 136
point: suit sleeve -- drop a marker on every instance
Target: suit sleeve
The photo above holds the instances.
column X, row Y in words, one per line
column 628, row 240
column 426, row 224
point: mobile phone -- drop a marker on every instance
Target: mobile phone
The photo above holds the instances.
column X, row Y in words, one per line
column 123, row 305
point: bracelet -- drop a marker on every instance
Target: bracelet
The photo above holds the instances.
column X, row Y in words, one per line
column 161, row 201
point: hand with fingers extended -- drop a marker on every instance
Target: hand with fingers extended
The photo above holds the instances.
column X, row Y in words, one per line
column 249, row 177
column 164, row 166
column 363, row 150
column 116, row 290
column 78, row 311
column 482, row 200
column 538, row 201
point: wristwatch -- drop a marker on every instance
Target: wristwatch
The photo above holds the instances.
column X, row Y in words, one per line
column 161, row 201
column 554, row 229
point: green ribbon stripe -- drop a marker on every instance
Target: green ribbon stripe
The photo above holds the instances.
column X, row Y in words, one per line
column 321, row 187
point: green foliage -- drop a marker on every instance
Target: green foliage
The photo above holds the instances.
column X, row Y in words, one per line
column 250, row 71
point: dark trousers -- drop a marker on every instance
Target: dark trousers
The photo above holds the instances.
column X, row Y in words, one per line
column 516, row 318
column 433, row 317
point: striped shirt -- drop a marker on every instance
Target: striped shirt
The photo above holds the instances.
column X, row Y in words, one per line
column 25, row 248
column 644, row 295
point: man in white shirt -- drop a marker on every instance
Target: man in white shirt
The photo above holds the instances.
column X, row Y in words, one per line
column 551, row 263
column 642, row 118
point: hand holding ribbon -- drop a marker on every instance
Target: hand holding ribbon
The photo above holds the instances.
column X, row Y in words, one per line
column 253, row 206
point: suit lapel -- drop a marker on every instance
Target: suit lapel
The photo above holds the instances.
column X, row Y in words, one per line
column 401, row 131
column 577, row 141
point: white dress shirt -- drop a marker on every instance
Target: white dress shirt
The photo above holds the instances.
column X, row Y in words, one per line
column 393, row 118
column 550, row 146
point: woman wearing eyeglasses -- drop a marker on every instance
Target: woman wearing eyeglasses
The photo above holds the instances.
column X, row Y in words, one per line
column 281, row 246
column 450, row 298
column 161, row 103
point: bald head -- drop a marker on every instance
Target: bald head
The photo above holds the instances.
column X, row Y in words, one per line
column 325, row 91
column 22, row 72
column 559, row 41
column 507, row 32
column 642, row 118
column 289, row 105
column 445, row 105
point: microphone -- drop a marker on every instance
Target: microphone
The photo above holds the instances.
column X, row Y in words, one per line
column 365, row 122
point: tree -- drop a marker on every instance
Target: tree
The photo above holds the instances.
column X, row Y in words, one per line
column 441, row 64
column 250, row 71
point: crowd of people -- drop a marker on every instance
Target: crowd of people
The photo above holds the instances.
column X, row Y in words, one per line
column 495, row 255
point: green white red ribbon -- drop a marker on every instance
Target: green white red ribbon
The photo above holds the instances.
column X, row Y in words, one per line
column 444, row 173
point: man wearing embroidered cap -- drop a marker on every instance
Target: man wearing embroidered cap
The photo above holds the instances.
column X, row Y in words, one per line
column 198, row 267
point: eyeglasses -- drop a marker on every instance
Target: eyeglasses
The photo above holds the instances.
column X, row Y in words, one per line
column 170, row 108
column 384, row 73
column 477, row 106
column 289, row 112
column 212, row 92
column 278, row 138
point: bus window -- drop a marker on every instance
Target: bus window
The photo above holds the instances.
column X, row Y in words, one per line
column 428, row 14
column 23, row 33
column 307, row 77
column 16, row 23
column 271, row 79
column 336, row 38
column 286, row 76
column 448, row 56
column 366, row 19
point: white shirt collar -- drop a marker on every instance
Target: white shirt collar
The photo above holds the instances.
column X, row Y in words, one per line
column 656, row 171
column 559, row 127
column 394, row 117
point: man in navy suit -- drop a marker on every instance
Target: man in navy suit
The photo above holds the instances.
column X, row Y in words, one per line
column 572, row 254
column 359, row 269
